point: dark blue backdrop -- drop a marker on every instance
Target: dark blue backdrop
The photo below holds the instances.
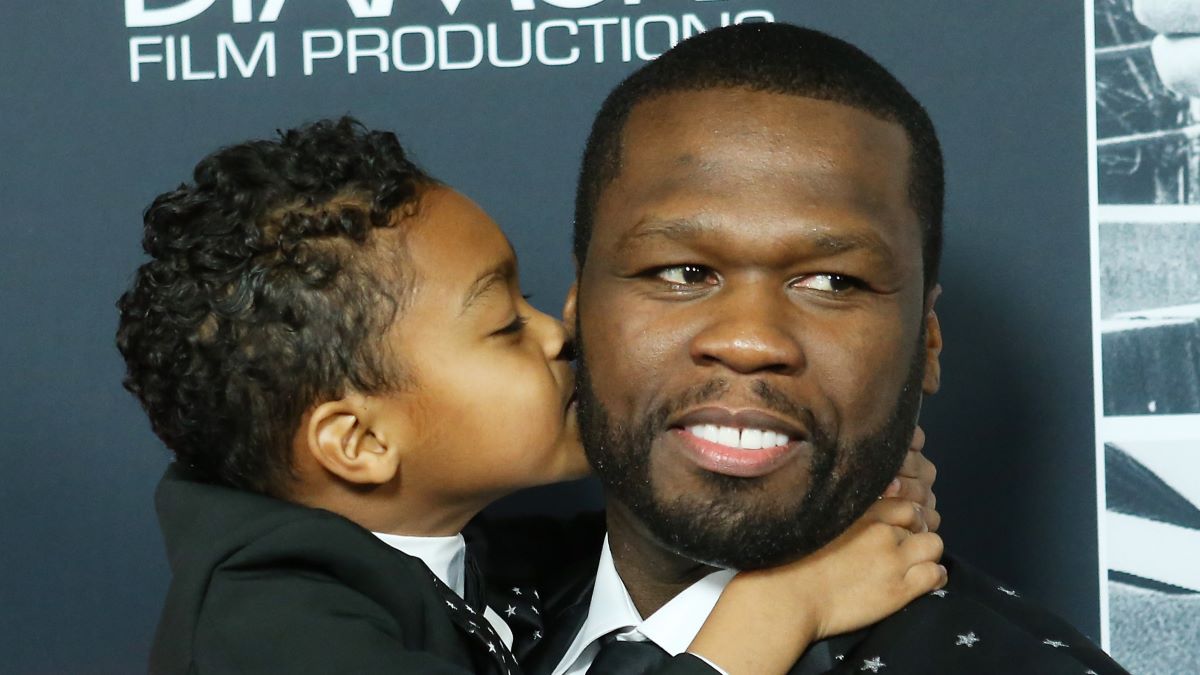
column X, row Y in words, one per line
column 83, row 149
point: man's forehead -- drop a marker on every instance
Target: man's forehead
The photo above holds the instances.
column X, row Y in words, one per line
column 742, row 146
column 753, row 112
column 731, row 135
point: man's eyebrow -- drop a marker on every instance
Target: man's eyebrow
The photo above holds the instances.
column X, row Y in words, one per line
column 675, row 229
column 497, row 274
column 822, row 241
column 832, row 243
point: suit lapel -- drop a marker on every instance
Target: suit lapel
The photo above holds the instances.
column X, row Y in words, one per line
column 565, row 624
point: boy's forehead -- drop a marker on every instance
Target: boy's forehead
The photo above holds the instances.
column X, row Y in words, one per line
column 453, row 242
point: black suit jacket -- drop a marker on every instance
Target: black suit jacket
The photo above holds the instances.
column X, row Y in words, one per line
column 265, row 586
column 974, row 626
column 261, row 585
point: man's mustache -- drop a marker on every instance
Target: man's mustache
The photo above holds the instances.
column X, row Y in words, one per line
column 714, row 390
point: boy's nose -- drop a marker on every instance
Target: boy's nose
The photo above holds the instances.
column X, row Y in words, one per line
column 555, row 341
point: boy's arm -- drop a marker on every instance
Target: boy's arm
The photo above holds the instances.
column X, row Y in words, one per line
column 766, row 619
column 300, row 622
column 885, row 560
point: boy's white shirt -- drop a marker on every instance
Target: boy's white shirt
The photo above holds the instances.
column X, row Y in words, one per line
column 446, row 557
column 672, row 627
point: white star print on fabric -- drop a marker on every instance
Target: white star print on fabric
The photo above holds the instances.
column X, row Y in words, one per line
column 1053, row 643
column 967, row 640
column 535, row 594
column 874, row 665
column 510, row 611
column 492, row 648
column 941, row 593
column 535, row 611
column 840, row 657
column 537, row 635
column 1007, row 592
column 516, row 591
column 451, row 605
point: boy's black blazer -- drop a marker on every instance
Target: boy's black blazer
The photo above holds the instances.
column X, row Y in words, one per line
column 266, row 586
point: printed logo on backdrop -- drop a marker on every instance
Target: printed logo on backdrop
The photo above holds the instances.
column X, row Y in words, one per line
column 385, row 36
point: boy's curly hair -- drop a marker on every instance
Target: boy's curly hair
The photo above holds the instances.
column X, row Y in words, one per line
column 268, row 290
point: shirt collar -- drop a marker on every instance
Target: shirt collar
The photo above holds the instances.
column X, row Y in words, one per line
column 672, row 627
column 446, row 557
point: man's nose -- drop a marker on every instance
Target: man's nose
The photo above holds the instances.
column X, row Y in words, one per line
column 749, row 330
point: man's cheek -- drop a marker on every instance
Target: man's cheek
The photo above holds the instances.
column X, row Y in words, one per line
column 838, row 389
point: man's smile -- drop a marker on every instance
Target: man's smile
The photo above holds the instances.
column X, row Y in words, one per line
column 741, row 443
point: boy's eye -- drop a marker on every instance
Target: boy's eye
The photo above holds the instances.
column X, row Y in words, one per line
column 514, row 327
column 687, row 275
column 828, row 283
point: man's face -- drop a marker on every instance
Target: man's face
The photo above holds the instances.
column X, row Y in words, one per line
column 753, row 325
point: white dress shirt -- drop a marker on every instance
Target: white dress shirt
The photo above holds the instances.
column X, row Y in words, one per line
column 446, row 557
column 672, row 627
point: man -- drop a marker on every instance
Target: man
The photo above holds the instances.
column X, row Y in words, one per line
column 758, row 228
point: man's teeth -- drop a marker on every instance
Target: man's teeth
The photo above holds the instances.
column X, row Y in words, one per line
column 746, row 439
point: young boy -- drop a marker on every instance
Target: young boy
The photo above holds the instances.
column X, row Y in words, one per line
column 335, row 348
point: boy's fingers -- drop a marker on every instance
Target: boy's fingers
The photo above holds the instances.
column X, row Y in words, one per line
column 918, row 439
column 912, row 489
column 893, row 489
column 925, row 577
column 917, row 465
column 933, row 519
column 900, row 513
column 923, row 547
column 916, row 492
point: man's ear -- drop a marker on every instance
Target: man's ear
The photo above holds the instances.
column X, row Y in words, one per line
column 570, row 309
column 933, row 343
column 349, row 439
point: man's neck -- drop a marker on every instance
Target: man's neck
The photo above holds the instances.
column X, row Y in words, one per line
column 652, row 574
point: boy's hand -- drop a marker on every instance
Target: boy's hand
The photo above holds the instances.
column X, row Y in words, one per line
column 915, row 481
column 886, row 559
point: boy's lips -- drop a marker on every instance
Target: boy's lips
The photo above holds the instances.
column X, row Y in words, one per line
column 743, row 443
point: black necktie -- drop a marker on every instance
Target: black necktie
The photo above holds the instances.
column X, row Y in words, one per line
column 491, row 656
column 626, row 657
column 519, row 607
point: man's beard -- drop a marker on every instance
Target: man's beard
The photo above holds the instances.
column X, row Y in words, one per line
column 717, row 528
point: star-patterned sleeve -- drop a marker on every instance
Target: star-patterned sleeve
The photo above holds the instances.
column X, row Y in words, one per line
column 975, row 625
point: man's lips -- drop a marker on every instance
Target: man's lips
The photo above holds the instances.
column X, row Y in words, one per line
column 742, row 443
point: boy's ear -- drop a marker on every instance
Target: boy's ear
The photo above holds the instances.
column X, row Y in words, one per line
column 349, row 438
column 933, row 344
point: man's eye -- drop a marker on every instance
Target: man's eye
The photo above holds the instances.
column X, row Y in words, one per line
column 828, row 283
column 687, row 275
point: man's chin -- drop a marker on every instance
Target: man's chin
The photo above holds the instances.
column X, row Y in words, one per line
column 728, row 532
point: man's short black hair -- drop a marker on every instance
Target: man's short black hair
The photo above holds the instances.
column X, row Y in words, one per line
column 779, row 58
column 267, row 291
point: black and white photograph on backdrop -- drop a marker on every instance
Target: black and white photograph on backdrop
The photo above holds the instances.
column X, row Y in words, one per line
column 1153, row 494
column 1150, row 312
column 1147, row 101
column 1146, row 235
